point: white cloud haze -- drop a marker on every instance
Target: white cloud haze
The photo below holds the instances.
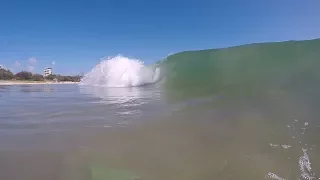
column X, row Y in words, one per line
column 17, row 64
column 30, row 68
column 32, row 61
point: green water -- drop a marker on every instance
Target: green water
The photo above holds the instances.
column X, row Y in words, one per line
column 248, row 70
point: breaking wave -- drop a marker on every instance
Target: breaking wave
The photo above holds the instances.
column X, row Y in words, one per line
column 120, row 71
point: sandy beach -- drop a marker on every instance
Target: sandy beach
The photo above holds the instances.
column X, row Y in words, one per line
column 8, row 83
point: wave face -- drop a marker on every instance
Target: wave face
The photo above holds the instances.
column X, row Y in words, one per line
column 120, row 71
column 245, row 70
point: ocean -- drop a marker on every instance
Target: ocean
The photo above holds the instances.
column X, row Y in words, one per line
column 176, row 120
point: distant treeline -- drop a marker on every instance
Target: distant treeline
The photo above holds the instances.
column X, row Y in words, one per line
column 6, row 74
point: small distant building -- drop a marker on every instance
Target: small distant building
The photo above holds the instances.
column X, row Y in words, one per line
column 47, row 72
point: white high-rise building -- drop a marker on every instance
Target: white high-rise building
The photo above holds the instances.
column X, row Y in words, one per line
column 47, row 72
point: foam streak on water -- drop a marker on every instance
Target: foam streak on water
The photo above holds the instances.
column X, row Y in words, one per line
column 305, row 167
column 120, row 71
column 273, row 176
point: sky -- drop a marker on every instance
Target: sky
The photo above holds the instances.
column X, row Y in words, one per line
column 73, row 36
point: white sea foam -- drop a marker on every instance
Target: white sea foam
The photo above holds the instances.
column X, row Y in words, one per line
column 273, row 176
column 305, row 167
column 120, row 71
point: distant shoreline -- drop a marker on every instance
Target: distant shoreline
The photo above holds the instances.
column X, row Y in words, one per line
column 11, row 82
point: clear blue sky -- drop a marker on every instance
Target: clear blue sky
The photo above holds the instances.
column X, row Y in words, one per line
column 72, row 36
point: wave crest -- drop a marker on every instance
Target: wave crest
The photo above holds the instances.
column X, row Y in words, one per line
column 120, row 71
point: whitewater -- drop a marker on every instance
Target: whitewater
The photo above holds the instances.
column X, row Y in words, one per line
column 121, row 71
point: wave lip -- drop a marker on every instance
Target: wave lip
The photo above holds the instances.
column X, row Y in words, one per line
column 120, row 71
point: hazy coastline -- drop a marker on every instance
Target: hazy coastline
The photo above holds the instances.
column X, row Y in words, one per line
column 16, row 82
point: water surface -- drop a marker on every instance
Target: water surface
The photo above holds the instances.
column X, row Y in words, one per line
column 70, row 131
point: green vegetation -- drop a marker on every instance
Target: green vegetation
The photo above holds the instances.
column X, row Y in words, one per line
column 6, row 74
column 58, row 77
column 37, row 77
column 23, row 75
column 244, row 70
